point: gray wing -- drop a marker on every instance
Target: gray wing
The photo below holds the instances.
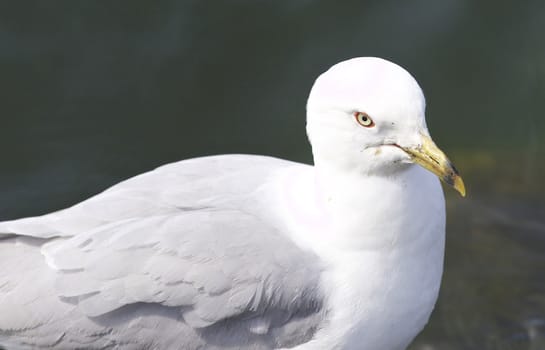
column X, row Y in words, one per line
column 195, row 268
column 216, row 181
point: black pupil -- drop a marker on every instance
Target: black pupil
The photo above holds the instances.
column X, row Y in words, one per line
column 364, row 118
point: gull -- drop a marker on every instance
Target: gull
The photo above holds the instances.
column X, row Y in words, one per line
column 250, row 252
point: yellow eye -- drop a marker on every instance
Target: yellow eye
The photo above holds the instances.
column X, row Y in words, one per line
column 364, row 119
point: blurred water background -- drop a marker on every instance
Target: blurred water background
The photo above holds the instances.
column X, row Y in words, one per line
column 95, row 92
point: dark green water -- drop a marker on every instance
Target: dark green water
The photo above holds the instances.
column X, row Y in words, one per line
column 95, row 92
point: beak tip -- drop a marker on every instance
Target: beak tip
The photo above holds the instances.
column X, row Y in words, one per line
column 459, row 185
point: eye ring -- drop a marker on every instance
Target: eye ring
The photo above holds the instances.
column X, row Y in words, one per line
column 364, row 119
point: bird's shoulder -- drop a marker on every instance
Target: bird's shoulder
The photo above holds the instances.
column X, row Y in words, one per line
column 198, row 183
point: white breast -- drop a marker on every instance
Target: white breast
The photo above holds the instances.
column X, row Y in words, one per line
column 382, row 277
column 381, row 300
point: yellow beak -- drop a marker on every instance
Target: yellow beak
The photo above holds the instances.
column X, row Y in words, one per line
column 429, row 156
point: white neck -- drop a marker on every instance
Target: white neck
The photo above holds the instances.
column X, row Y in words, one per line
column 382, row 252
column 335, row 205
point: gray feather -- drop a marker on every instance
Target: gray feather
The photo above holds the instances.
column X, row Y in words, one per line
column 168, row 257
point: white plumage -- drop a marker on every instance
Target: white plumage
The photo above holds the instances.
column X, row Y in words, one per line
column 248, row 252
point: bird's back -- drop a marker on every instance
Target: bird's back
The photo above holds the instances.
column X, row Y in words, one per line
column 180, row 257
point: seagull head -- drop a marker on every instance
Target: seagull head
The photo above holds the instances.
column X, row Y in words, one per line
column 368, row 114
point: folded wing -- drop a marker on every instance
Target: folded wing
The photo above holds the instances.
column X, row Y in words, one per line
column 188, row 248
